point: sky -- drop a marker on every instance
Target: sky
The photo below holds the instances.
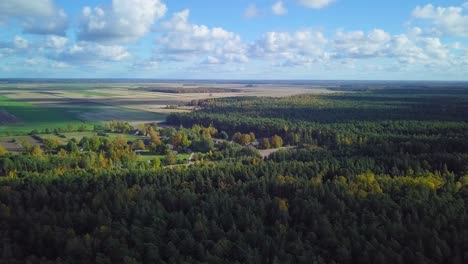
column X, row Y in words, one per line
column 238, row 39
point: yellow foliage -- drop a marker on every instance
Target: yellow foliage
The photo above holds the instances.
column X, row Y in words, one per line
column 316, row 181
column 342, row 180
column 62, row 153
column 283, row 205
column 12, row 174
column 59, row 171
column 365, row 184
column 432, row 181
column 285, row 179
column 464, row 180
column 3, row 151
column 36, row 151
column 102, row 161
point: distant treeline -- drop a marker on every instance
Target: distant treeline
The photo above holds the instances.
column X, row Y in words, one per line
column 178, row 90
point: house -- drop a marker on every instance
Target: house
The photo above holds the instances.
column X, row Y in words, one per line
column 254, row 144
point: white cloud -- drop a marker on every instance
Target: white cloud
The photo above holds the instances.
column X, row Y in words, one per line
column 20, row 43
column 405, row 49
column 307, row 48
column 435, row 49
column 278, row 8
column 224, row 58
column 36, row 17
column 56, row 42
column 185, row 41
column 316, row 4
column 450, row 21
column 251, row 11
column 357, row 44
column 297, row 48
column 88, row 53
column 123, row 21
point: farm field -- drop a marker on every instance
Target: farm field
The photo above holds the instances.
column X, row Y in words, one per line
column 13, row 144
column 23, row 117
column 25, row 107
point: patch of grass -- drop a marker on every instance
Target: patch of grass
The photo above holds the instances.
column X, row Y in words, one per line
column 53, row 136
column 181, row 158
column 128, row 137
column 77, row 135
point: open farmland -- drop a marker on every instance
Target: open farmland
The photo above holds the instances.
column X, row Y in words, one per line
column 49, row 105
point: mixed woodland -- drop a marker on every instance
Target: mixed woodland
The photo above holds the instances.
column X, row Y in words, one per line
column 357, row 176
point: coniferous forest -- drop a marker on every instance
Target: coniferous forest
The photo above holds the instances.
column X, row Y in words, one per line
column 375, row 175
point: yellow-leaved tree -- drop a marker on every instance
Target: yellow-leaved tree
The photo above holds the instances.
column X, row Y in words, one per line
column 3, row 151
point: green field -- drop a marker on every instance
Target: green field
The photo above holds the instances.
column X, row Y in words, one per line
column 32, row 117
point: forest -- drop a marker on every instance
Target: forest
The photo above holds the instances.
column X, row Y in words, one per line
column 377, row 175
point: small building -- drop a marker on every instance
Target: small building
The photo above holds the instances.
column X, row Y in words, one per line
column 254, row 144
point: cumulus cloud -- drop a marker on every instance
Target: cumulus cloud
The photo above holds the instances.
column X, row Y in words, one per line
column 123, row 21
column 279, row 9
column 36, row 17
column 56, row 42
column 88, row 53
column 450, row 21
column 296, row 48
column 380, row 44
column 316, row 4
column 406, row 51
column 306, row 48
column 182, row 40
column 357, row 44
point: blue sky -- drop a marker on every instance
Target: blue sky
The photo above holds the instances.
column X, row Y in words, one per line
column 244, row 39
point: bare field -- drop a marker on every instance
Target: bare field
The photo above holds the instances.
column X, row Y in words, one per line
column 13, row 144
